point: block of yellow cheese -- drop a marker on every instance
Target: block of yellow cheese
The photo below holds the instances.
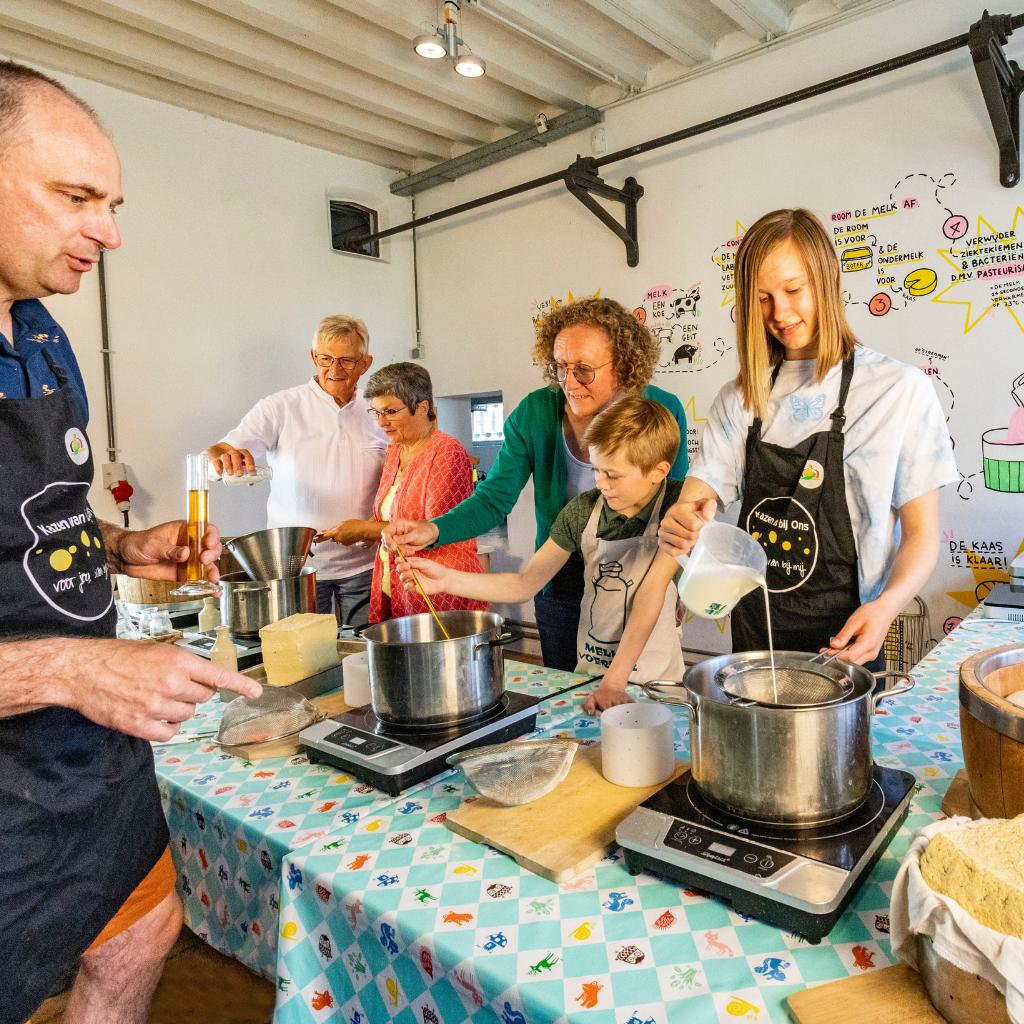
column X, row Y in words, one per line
column 983, row 870
column 298, row 647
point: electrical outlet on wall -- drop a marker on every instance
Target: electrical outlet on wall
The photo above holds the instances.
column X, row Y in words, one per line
column 113, row 473
column 599, row 141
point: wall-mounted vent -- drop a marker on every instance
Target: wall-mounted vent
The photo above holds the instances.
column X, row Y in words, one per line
column 350, row 220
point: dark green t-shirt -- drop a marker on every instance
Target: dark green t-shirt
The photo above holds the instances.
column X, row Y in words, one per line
column 567, row 530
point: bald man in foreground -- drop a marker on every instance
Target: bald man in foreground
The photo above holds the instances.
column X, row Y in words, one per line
column 86, row 878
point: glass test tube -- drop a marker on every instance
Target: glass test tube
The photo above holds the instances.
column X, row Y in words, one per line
column 197, row 481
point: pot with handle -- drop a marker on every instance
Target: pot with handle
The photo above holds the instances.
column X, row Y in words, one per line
column 788, row 766
column 420, row 680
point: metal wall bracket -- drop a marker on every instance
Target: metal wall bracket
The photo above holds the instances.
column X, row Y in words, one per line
column 582, row 180
column 1001, row 84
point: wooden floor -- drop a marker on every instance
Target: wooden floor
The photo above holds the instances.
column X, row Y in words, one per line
column 199, row 986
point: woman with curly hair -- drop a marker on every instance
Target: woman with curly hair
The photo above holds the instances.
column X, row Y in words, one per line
column 593, row 352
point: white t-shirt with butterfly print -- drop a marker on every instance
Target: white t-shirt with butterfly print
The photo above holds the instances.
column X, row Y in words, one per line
column 897, row 446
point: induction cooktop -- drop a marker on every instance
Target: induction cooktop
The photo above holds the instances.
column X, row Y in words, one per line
column 799, row 879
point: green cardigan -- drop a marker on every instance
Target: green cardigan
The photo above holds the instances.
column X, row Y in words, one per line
column 533, row 445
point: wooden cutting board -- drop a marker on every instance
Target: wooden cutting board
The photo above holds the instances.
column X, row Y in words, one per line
column 893, row 995
column 563, row 832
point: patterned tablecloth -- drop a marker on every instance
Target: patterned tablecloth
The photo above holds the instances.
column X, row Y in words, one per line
column 365, row 908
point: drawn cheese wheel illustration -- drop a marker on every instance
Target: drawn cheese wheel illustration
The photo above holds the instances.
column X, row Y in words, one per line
column 857, row 257
column 921, row 281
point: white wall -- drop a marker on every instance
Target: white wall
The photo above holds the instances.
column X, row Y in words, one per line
column 484, row 274
column 224, row 271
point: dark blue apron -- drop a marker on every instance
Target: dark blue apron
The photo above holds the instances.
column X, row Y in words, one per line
column 80, row 817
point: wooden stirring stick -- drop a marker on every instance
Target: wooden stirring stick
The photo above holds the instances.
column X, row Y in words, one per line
column 416, row 578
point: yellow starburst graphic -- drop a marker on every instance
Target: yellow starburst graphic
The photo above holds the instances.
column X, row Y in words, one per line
column 949, row 254
column 986, row 576
column 721, row 260
column 691, row 411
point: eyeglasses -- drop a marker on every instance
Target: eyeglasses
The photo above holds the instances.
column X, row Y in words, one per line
column 385, row 414
column 583, row 373
column 326, row 361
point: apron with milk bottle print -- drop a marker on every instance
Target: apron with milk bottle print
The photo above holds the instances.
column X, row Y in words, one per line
column 794, row 504
column 613, row 571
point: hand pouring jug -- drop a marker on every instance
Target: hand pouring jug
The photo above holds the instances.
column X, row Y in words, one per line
column 725, row 564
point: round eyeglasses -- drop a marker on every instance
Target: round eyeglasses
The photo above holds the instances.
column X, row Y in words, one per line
column 583, row 373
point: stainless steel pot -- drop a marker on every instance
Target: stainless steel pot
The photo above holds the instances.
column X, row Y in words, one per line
column 247, row 604
column 419, row 679
column 787, row 766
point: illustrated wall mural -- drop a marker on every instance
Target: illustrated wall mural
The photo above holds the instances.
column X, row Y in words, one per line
column 931, row 275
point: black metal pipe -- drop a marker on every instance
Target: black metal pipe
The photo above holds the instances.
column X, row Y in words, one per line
column 107, row 384
column 872, row 71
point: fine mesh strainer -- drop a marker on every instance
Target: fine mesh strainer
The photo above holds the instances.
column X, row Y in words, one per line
column 797, row 684
column 515, row 773
column 274, row 714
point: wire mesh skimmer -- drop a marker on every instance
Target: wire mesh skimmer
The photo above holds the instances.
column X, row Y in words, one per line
column 274, row 714
column 796, row 684
column 516, row 773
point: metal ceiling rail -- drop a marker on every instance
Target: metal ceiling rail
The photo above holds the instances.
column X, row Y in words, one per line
column 1001, row 82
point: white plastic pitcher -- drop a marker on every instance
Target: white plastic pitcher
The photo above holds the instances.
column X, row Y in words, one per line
column 725, row 564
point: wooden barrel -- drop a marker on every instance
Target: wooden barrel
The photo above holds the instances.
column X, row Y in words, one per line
column 142, row 591
column 992, row 730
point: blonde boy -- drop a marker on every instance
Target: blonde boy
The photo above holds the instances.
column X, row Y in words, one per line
column 627, row 632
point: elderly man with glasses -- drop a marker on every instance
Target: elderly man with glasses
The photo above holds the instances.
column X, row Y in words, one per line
column 327, row 454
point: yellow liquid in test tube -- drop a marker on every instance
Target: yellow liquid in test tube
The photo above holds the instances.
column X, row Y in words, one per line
column 197, row 506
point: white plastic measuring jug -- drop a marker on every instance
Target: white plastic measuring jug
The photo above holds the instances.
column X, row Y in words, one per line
column 725, row 564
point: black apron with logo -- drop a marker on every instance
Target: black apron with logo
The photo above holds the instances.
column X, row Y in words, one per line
column 80, row 817
column 794, row 503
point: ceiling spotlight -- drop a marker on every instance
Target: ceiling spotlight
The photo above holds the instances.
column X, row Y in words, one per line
column 470, row 66
column 430, row 45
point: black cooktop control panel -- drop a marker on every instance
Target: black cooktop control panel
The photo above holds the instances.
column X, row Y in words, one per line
column 359, row 742
column 728, row 850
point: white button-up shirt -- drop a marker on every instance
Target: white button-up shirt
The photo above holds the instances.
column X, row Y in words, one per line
column 327, row 463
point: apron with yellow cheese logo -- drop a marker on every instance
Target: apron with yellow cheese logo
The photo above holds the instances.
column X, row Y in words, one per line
column 80, row 817
column 794, row 505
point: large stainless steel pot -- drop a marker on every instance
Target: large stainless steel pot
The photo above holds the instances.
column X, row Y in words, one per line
column 247, row 604
column 419, row 679
column 787, row 766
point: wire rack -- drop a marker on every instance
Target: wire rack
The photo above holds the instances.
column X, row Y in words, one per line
column 908, row 639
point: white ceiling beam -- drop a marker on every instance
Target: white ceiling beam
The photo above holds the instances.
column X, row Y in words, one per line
column 511, row 59
column 81, row 30
column 323, row 28
column 63, row 60
column 564, row 26
column 760, row 17
column 845, row 5
column 661, row 27
column 197, row 27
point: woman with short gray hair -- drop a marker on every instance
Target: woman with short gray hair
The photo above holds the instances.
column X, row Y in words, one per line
column 426, row 473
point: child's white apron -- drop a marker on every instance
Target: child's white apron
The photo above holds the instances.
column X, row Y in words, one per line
column 613, row 572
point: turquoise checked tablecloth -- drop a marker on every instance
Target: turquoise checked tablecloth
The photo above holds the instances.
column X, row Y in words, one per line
column 364, row 908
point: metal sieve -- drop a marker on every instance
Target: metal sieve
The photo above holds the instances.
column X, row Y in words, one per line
column 796, row 684
column 274, row 714
column 516, row 773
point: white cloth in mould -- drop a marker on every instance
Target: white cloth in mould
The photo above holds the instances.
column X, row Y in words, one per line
column 897, row 446
column 917, row 909
column 327, row 463
column 579, row 475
